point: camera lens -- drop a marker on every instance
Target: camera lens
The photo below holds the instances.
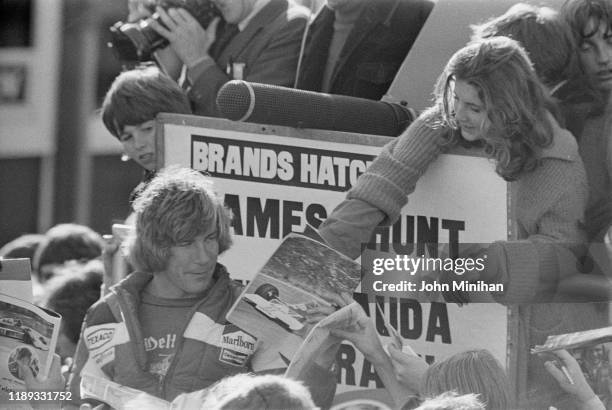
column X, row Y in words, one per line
column 136, row 41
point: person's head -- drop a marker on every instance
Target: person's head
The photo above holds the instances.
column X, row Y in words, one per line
column 22, row 247
column 70, row 294
column 595, row 355
column 249, row 392
column 130, row 107
column 234, row 11
column 545, row 36
column 591, row 24
column 23, row 353
column 452, row 401
column 66, row 242
column 181, row 228
column 472, row 371
column 489, row 92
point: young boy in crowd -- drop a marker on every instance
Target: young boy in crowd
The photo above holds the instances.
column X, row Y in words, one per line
column 129, row 110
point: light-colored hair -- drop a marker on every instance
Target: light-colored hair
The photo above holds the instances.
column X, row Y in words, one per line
column 514, row 99
column 178, row 205
column 265, row 392
column 452, row 401
column 546, row 37
column 138, row 95
column 472, row 371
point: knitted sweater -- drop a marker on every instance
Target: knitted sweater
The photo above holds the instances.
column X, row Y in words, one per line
column 549, row 206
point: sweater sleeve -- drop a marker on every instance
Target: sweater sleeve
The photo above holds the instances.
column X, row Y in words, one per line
column 394, row 173
column 532, row 267
column 381, row 192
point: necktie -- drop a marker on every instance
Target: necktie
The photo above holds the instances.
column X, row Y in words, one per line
column 227, row 34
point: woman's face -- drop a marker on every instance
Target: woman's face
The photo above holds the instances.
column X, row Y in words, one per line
column 470, row 111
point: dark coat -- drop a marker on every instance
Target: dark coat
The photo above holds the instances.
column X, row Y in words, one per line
column 269, row 48
column 374, row 51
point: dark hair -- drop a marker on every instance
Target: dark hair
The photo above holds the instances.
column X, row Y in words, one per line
column 22, row 247
column 578, row 14
column 514, row 98
column 71, row 292
column 546, row 37
column 66, row 242
column 137, row 96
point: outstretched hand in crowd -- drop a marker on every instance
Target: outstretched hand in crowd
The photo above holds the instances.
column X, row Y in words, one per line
column 568, row 374
column 401, row 373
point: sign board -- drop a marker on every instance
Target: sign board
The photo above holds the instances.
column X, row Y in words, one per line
column 277, row 179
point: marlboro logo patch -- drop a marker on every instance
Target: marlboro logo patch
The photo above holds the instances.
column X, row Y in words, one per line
column 236, row 346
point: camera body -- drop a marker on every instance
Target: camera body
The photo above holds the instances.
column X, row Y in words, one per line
column 136, row 42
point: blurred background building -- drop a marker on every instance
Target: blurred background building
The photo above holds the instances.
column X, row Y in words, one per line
column 57, row 161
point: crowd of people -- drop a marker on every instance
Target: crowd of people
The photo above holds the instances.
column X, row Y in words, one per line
column 530, row 90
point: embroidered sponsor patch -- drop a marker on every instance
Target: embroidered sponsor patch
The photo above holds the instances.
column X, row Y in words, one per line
column 104, row 357
column 236, row 346
column 101, row 337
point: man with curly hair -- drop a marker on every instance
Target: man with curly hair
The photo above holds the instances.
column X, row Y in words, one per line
column 162, row 330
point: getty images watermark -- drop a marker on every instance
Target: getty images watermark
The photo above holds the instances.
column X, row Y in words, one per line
column 404, row 273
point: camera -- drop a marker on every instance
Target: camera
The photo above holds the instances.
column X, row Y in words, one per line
column 137, row 41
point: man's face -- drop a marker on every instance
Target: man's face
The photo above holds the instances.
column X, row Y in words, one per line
column 596, row 354
column 596, row 54
column 139, row 143
column 192, row 265
column 234, row 11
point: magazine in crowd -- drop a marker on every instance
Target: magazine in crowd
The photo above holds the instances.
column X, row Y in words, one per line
column 28, row 337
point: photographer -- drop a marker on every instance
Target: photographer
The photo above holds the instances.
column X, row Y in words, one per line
column 258, row 40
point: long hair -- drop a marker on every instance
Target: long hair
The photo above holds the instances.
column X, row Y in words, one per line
column 138, row 95
column 544, row 35
column 178, row 205
column 472, row 371
column 578, row 14
column 515, row 101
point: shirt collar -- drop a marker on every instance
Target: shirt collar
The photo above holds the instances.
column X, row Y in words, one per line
column 259, row 4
